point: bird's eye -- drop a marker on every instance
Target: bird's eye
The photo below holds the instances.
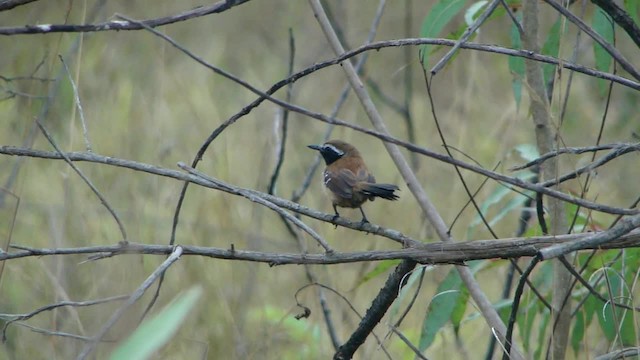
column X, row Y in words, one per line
column 330, row 149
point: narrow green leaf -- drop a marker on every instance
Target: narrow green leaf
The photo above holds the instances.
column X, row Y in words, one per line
column 628, row 332
column 528, row 152
column 551, row 47
column 516, row 64
column 473, row 11
column 381, row 268
column 632, row 8
column 632, row 263
column 542, row 339
column 440, row 308
column 529, row 309
column 409, row 286
column 460, row 308
column 609, row 323
column 157, row 331
column 602, row 25
column 440, row 15
column 577, row 333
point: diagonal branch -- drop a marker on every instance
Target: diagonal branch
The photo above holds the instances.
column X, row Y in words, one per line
column 617, row 55
column 90, row 347
column 621, row 18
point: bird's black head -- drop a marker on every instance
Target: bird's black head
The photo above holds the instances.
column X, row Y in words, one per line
column 329, row 151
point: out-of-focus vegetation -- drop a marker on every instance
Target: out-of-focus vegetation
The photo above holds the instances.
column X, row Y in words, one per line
column 144, row 100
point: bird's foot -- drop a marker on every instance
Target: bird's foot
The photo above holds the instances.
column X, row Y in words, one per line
column 333, row 220
column 363, row 222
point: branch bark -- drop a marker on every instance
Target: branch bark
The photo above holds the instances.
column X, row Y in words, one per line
column 540, row 112
column 433, row 253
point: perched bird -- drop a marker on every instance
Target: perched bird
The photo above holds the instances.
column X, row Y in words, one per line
column 348, row 178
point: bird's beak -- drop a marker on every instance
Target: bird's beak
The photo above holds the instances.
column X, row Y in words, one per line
column 314, row 147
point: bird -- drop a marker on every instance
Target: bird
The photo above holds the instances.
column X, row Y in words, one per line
column 348, row 179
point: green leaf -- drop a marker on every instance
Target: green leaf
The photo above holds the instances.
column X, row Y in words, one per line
column 381, row 268
column 460, row 308
column 440, row 15
column 542, row 340
column 632, row 8
column 441, row 308
column 473, row 11
column 528, row 152
column 516, row 64
column 497, row 196
column 415, row 275
column 602, row 25
column 577, row 333
column 154, row 333
column 581, row 220
column 529, row 307
column 609, row 323
column 551, row 47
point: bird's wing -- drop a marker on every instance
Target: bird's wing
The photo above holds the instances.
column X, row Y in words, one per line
column 340, row 182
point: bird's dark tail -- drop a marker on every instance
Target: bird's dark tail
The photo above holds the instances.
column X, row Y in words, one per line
column 385, row 191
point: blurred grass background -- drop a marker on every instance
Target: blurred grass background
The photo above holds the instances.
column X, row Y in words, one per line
column 146, row 101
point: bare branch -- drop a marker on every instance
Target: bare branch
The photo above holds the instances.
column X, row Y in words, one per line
column 253, row 196
column 76, row 97
column 624, row 226
column 624, row 63
column 117, row 25
column 433, row 253
column 152, row 169
column 10, row 4
column 466, row 35
column 84, row 178
column 619, row 148
column 11, row 318
column 90, row 347
column 621, row 18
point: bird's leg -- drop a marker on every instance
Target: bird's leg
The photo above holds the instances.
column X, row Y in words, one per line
column 364, row 217
column 336, row 216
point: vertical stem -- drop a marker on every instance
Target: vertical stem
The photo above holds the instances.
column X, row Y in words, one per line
column 540, row 111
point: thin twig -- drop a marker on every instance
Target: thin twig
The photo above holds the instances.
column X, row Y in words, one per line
column 135, row 296
column 380, row 304
column 76, row 96
column 95, row 190
column 623, row 227
column 285, row 119
column 465, row 36
column 260, row 200
column 92, row 157
column 59, row 333
column 514, row 307
column 615, row 54
column 513, row 18
column 311, row 170
column 353, row 309
column 116, row 25
column 617, row 147
column 11, row 318
column 382, row 133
